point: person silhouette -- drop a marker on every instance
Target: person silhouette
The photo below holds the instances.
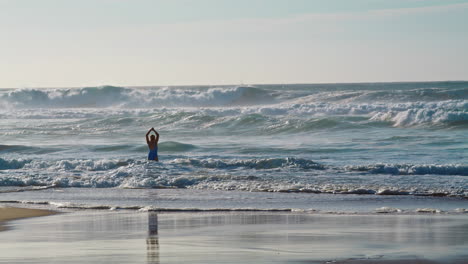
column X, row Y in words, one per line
column 152, row 145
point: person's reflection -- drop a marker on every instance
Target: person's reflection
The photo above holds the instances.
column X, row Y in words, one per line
column 152, row 241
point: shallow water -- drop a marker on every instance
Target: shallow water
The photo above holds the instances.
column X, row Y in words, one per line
column 128, row 237
column 216, row 200
column 409, row 138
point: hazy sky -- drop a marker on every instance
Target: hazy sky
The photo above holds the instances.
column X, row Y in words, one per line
column 61, row 43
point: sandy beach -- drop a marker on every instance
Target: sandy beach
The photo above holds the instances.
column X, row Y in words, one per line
column 102, row 236
column 12, row 213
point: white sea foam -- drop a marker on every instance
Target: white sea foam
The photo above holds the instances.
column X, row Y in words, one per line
column 402, row 108
column 119, row 166
column 256, row 119
column 428, row 210
column 386, row 210
column 268, row 175
column 272, row 163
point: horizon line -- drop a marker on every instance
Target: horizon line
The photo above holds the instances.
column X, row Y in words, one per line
column 240, row 84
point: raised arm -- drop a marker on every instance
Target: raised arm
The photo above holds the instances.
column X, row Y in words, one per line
column 157, row 136
column 147, row 134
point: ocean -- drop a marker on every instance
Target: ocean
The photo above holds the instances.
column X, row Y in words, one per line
column 233, row 147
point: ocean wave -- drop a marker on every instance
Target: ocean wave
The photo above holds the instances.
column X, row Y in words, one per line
column 111, row 96
column 167, row 146
column 173, row 146
column 120, row 147
column 26, row 149
column 296, row 118
column 64, row 165
column 277, row 118
column 451, row 113
column 387, row 92
column 136, row 178
column 9, row 164
column 252, row 175
column 258, row 164
column 336, row 101
column 411, row 169
column 233, row 164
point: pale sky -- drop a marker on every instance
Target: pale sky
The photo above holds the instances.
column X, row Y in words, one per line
column 69, row 43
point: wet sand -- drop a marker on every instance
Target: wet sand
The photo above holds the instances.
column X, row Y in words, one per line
column 150, row 237
column 12, row 213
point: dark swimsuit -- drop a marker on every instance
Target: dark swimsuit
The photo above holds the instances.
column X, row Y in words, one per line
column 153, row 154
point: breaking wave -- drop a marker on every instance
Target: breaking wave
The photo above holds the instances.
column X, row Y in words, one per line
column 258, row 164
column 111, row 96
column 63, row 165
column 410, row 169
column 13, row 164
column 278, row 118
column 232, row 164
column 103, row 165
column 297, row 109
column 263, row 175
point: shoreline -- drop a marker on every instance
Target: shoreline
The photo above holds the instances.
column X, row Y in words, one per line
column 36, row 209
column 113, row 199
column 16, row 213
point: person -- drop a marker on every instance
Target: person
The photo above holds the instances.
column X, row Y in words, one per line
column 152, row 145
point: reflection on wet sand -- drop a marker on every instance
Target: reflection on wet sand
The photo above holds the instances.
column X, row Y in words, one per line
column 238, row 237
column 152, row 241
